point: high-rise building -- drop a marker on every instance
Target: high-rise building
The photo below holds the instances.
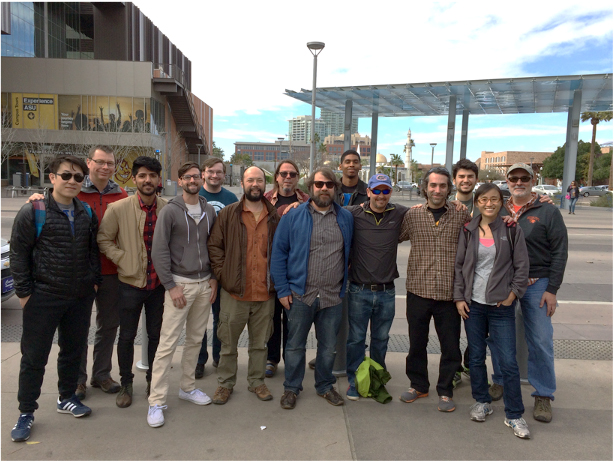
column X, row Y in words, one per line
column 329, row 124
column 79, row 74
column 335, row 122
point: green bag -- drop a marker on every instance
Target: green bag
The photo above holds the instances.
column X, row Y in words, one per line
column 370, row 381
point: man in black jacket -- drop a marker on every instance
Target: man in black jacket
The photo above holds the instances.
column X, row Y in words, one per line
column 56, row 269
column 353, row 190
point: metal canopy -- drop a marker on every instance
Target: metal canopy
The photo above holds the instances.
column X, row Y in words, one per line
column 496, row 96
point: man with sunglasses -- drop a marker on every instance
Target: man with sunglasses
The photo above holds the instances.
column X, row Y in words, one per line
column 373, row 269
column 546, row 236
column 56, row 270
column 125, row 237
column 310, row 276
column 214, row 173
column 285, row 193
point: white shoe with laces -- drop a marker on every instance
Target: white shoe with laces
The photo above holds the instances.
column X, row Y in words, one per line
column 155, row 415
column 520, row 427
column 196, row 396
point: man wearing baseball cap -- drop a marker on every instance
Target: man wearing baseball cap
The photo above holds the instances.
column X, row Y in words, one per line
column 546, row 237
column 373, row 269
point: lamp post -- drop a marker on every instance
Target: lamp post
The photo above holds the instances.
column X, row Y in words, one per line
column 315, row 48
column 432, row 152
column 281, row 140
column 199, row 146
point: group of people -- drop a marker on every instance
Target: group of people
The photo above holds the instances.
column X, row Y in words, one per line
column 279, row 263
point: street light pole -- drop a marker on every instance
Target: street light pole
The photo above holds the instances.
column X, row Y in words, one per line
column 315, row 48
column 432, row 152
column 281, row 140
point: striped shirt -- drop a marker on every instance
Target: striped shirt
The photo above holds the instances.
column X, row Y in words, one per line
column 430, row 269
column 326, row 260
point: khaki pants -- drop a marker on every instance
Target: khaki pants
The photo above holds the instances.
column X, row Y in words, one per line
column 234, row 315
column 195, row 316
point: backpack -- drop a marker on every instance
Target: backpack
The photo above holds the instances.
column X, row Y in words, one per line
column 40, row 215
column 511, row 235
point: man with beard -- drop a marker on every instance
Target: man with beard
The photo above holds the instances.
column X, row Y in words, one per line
column 285, row 193
column 310, row 277
column 240, row 250
column 125, row 237
column 181, row 258
column 433, row 231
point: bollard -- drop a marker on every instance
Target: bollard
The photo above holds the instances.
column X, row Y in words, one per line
column 143, row 364
column 340, row 366
column 522, row 351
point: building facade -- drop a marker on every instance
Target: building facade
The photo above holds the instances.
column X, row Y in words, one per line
column 328, row 124
column 80, row 74
column 501, row 161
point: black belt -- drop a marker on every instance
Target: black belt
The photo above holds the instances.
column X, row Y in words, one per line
column 376, row 287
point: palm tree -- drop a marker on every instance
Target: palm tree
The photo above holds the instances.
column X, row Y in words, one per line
column 395, row 161
column 595, row 118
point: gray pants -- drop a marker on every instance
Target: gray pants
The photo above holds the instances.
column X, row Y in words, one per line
column 107, row 322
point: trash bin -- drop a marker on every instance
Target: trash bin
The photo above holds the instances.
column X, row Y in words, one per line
column 17, row 179
column 171, row 188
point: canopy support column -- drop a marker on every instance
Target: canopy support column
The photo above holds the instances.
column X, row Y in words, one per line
column 464, row 131
column 571, row 144
column 450, row 137
column 347, row 125
column 373, row 158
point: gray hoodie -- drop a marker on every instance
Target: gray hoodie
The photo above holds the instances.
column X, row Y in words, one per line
column 179, row 244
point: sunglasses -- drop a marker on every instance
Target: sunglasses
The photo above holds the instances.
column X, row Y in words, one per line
column 66, row 176
column 288, row 174
column 320, row 184
column 377, row 192
column 514, row 179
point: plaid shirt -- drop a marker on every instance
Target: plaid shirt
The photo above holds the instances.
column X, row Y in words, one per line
column 430, row 269
column 509, row 206
column 148, row 231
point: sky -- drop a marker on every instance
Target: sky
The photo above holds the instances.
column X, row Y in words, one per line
column 245, row 54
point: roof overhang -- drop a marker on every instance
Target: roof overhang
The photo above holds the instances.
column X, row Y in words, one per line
column 523, row 95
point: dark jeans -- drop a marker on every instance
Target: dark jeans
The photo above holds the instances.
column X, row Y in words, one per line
column 572, row 204
column 447, row 324
column 500, row 323
column 280, row 334
column 132, row 301
column 300, row 319
column 42, row 314
column 107, row 322
column 216, row 345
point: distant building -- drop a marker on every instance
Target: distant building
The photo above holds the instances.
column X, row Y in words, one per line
column 328, row 124
column 335, row 147
column 501, row 161
column 272, row 152
column 335, row 122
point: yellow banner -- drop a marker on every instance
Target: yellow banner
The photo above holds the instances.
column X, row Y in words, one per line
column 33, row 163
column 33, row 110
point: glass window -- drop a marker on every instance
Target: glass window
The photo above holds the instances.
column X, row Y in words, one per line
column 71, row 117
column 124, row 113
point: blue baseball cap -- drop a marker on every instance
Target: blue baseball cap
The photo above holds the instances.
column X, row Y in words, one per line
column 379, row 179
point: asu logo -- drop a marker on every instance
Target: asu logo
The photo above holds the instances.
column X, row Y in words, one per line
column 532, row 219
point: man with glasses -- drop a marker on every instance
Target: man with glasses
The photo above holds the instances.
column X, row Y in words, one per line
column 56, row 269
column 433, row 231
column 214, row 173
column 181, row 259
column 285, row 193
column 546, row 237
column 310, row 276
column 125, row 237
column 373, row 269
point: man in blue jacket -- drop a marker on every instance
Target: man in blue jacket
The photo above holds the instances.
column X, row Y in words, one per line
column 310, row 275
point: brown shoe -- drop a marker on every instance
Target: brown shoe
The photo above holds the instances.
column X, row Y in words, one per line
column 107, row 385
column 288, row 400
column 221, row 395
column 124, row 398
column 81, row 391
column 333, row 397
column 262, row 392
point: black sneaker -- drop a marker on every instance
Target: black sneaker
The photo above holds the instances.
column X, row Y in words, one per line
column 73, row 406
column 21, row 430
column 200, row 371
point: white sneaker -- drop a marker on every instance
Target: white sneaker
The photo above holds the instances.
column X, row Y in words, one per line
column 196, row 396
column 155, row 416
column 521, row 429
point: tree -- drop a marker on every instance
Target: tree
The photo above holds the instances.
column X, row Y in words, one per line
column 217, row 152
column 395, row 161
column 553, row 165
column 489, row 175
column 241, row 159
column 416, row 173
column 595, row 118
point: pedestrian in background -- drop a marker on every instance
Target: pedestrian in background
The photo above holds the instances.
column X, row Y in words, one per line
column 573, row 194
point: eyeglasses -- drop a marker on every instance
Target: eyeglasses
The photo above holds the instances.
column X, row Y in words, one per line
column 485, row 200
column 214, row 172
column 190, row 177
column 102, row 163
column 66, row 176
column 377, row 192
column 320, row 184
column 288, row 174
column 514, row 179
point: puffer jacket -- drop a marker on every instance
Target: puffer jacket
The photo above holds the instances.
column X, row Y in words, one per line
column 228, row 244
column 57, row 262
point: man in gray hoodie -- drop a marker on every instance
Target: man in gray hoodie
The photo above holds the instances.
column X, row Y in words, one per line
column 181, row 259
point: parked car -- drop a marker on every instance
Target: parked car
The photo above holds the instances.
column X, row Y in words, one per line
column 505, row 190
column 605, row 187
column 546, row 189
column 592, row 191
column 7, row 279
column 403, row 185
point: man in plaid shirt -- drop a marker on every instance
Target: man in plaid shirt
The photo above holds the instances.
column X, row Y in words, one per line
column 433, row 231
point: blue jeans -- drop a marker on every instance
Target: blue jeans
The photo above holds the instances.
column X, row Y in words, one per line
column 216, row 345
column 327, row 321
column 538, row 334
column 572, row 204
column 500, row 323
column 365, row 305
